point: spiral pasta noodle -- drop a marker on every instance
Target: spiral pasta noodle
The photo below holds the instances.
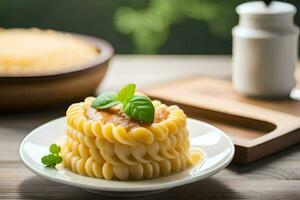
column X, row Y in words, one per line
column 107, row 144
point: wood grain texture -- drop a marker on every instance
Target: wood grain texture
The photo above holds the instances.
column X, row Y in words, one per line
column 256, row 130
column 275, row 177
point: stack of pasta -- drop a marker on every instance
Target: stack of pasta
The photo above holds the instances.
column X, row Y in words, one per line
column 108, row 144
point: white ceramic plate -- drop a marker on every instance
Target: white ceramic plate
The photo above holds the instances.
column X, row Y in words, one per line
column 217, row 146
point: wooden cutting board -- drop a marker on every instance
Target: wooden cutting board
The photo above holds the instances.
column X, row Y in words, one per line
column 257, row 127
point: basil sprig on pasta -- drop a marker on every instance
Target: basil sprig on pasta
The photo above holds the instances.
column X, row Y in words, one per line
column 139, row 108
column 105, row 100
column 52, row 159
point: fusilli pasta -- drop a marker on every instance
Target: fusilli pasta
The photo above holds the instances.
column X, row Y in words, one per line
column 97, row 147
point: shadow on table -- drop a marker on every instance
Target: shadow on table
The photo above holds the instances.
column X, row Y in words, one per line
column 209, row 188
column 26, row 120
column 284, row 155
column 37, row 188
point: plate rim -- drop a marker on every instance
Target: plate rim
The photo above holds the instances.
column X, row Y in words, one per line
column 170, row 185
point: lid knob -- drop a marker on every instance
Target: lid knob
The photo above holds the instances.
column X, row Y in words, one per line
column 267, row 2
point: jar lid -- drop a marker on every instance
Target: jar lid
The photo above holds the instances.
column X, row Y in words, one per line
column 260, row 8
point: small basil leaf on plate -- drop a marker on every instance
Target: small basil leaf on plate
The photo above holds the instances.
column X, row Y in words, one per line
column 105, row 100
column 51, row 160
column 54, row 149
column 140, row 108
column 126, row 93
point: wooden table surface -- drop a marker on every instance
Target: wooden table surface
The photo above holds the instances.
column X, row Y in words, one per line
column 276, row 177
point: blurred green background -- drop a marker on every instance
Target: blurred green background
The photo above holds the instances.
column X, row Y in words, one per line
column 135, row 26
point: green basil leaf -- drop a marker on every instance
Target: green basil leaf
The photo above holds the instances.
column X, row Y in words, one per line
column 51, row 160
column 55, row 149
column 140, row 108
column 126, row 93
column 105, row 100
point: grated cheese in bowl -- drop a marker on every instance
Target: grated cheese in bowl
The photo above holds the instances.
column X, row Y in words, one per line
column 36, row 51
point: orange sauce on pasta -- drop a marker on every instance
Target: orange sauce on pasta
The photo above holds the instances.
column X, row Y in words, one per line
column 118, row 117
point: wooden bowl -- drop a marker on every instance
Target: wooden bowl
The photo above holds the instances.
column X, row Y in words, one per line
column 38, row 90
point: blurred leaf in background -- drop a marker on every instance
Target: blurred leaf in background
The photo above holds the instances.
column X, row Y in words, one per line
column 149, row 28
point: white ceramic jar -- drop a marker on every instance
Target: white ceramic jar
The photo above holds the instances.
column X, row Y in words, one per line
column 265, row 49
